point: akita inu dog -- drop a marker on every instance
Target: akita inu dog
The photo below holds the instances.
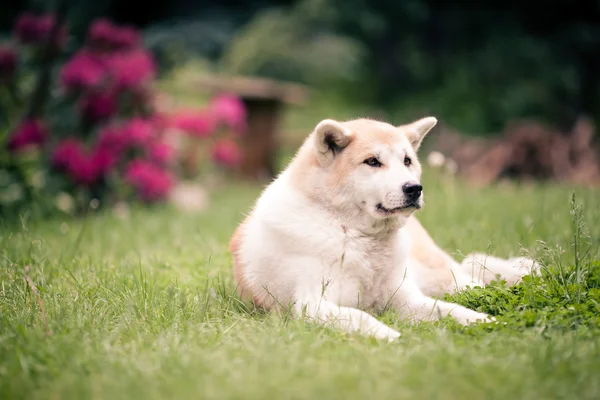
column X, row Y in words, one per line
column 333, row 235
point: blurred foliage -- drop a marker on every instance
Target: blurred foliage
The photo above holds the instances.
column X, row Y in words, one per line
column 481, row 91
column 177, row 42
column 282, row 45
column 476, row 65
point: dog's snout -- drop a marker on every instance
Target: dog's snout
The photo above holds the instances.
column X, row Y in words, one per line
column 412, row 190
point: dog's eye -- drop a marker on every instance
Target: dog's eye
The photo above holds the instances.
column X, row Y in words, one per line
column 407, row 161
column 372, row 162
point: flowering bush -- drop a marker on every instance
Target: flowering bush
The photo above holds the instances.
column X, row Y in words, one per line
column 36, row 30
column 102, row 136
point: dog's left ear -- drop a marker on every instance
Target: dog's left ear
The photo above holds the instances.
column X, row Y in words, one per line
column 331, row 138
column 417, row 130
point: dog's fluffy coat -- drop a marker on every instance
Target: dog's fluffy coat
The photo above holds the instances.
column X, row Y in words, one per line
column 334, row 236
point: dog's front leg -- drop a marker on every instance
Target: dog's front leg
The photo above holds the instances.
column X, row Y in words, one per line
column 411, row 303
column 346, row 319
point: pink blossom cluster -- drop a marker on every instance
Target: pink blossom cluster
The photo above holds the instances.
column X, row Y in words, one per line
column 197, row 123
column 35, row 29
column 226, row 152
column 223, row 111
column 84, row 167
column 230, row 111
column 85, row 70
column 137, row 132
column 98, row 106
column 148, row 175
column 131, row 69
column 103, row 35
column 111, row 63
column 150, row 181
column 108, row 82
column 30, row 133
column 8, row 62
column 160, row 153
column 124, row 69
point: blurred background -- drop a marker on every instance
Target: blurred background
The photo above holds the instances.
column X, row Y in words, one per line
column 110, row 101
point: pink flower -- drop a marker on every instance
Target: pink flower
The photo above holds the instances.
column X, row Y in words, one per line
column 65, row 152
column 36, row 29
column 138, row 131
column 26, row 28
column 98, row 106
column 199, row 123
column 100, row 33
column 104, row 35
column 127, row 37
column 230, row 110
column 84, row 169
column 131, row 70
column 160, row 152
column 84, row 71
column 125, row 70
column 227, row 153
column 150, row 181
column 102, row 160
column 70, row 156
column 112, row 139
column 29, row 134
column 83, row 172
column 8, row 63
column 115, row 139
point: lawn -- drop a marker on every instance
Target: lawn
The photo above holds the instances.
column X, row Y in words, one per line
column 142, row 306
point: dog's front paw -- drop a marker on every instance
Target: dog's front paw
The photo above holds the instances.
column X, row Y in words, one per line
column 467, row 317
column 387, row 334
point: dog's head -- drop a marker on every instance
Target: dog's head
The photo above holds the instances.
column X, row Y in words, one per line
column 370, row 165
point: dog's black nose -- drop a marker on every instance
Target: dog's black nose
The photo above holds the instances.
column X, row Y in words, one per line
column 412, row 190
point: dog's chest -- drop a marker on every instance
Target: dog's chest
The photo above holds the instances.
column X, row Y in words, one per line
column 361, row 268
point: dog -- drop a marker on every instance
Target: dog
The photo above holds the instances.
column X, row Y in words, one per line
column 334, row 238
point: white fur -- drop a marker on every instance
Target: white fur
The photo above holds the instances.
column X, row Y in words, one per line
column 330, row 255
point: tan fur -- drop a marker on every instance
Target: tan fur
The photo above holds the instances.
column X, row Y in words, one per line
column 242, row 286
column 425, row 252
column 423, row 248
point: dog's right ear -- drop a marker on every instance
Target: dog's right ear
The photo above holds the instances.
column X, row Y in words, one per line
column 330, row 139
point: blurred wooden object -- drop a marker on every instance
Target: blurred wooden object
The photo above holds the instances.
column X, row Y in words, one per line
column 265, row 100
column 526, row 150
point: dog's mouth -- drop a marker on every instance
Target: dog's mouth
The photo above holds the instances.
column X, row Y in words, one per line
column 390, row 211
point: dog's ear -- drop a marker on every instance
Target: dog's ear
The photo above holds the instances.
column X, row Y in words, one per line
column 417, row 130
column 330, row 139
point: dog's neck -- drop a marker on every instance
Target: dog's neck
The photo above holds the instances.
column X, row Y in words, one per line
column 381, row 228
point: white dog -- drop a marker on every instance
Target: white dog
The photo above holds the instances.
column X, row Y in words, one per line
column 333, row 236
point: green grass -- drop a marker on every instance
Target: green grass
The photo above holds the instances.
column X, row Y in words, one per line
column 143, row 307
